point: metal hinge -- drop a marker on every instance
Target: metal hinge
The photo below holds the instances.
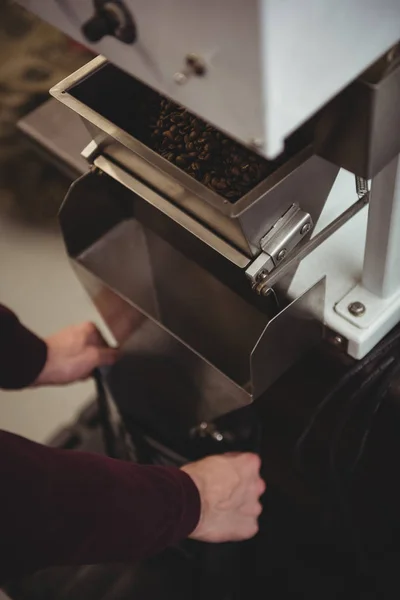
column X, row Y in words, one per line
column 290, row 229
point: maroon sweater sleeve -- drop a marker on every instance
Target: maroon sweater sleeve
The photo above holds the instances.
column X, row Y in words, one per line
column 22, row 354
column 61, row 507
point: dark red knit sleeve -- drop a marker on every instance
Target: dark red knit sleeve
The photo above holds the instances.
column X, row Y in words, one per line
column 60, row 507
column 22, row 353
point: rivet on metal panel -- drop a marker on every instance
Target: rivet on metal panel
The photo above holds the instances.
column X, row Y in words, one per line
column 357, row 308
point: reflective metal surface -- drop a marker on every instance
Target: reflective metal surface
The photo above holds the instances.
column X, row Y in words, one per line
column 302, row 179
column 288, row 267
column 360, row 129
column 59, row 134
column 290, row 334
column 290, row 230
column 194, row 348
column 381, row 271
column 183, row 219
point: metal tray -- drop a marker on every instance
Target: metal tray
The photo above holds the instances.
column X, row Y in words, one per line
column 105, row 97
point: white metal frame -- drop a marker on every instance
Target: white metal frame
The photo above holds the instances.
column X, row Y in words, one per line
column 361, row 262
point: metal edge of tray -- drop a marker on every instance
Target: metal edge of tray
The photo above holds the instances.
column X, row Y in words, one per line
column 186, row 221
column 157, row 162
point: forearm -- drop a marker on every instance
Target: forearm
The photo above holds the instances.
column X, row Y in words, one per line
column 22, row 353
column 61, row 507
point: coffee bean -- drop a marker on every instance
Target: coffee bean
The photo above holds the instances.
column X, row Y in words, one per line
column 203, row 152
column 181, row 161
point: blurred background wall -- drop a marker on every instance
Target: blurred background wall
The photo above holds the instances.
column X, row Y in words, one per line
column 36, row 280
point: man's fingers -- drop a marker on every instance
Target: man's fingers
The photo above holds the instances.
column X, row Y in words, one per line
column 247, row 529
column 93, row 336
column 252, row 509
column 107, row 356
column 247, row 463
column 99, row 357
column 261, row 486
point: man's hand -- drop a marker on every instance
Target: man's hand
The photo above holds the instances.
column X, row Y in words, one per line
column 230, row 487
column 73, row 353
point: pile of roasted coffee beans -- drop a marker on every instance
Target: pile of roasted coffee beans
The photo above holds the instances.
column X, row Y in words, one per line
column 224, row 166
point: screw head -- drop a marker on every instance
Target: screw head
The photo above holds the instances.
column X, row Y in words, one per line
column 305, row 229
column 357, row 309
column 281, row 255
column 196, row 64
column 266, row 291
column 256, row 142
column 180, row 78
column 262, row 275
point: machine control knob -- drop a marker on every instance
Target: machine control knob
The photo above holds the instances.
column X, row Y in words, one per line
column 110, row 18
column 96, row 28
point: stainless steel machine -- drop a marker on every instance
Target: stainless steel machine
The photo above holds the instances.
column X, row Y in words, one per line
column 218, row 232
column 238, row 229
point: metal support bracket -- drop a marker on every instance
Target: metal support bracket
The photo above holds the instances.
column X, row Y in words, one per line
column 372, row 308
column 290, row 229
column 91, row 151
column 366, row 319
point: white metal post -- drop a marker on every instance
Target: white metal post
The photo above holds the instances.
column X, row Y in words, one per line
column 381, row 271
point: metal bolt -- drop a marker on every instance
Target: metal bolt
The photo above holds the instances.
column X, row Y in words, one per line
column 180, row 78
column 337, row 340
column 196, row 64
column 266, row 291
column 305, row 229
column 281, row 255
column 357, row 308
column 256, row 142
column 262, row 275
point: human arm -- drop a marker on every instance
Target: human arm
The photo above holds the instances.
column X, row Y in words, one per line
column 22, row 353
column 67, row 356
column 60, row 507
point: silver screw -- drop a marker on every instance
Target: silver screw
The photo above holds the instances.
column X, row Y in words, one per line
column 281, row 255
column 266, row 291
column 305, row 229
column 180, row 78
column 337, row 340
column 256, row 142
column 357, row 308
column 262, row 275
